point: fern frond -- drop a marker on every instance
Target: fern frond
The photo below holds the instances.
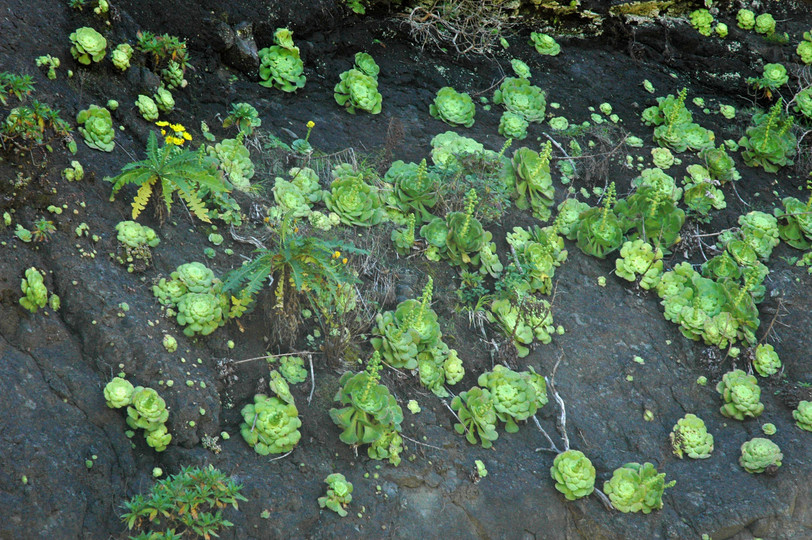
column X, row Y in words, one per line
column 251, row 277
column 132, row 173
column 167, row 189
column 195, row 205
column 142, row 197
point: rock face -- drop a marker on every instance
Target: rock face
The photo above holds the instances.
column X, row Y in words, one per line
column 66, row 464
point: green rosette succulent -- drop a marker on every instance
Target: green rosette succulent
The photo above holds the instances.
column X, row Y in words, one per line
column 453, row 368
column 270, row 425
column 417, row 315
column 719, row 164
column 169, row 291
column 759, row 455
column 741, row 395
column 523, row 325
column 234, row 159
column 769, row 142
column 388, row 446
column 773, row 76
column 97, row 128
column 654, row 216
column 33, row 287
column 121, row 56
column 690, row 437
column 135, row 235
column 118, row 393
column 795, row 222
column 722, row 266
column 445, row 146
column 366, row 64
column 158, row 438
column 765, row 24
column 636, row 488
column 452, row 107
column 292, row 369
column 339, row 494
column 574, row 474
column 513, row 126
column 280, row 387
column 370, row 409
column 172, row 75
column 356, row 202
column 544, row 44
column 281, row 66
column 539, row 384
column 745, row 19
column 245, row 116
column 521, row 69
column 567, row 219
column 599, row 232
column 477, row 416
column 195, row 276
column 803, row 415
column 514, row 398
column 297, row 196
column 765, row 360
column 147, row 410
column 357, row 90
column 414, row 189
column 88, row 45
column 804, row 50
column 760, row 231
column 639, row 258
column 147, row 107
column 520, row 97
column 201, row 313
column 465, row 239
column 702, row 21
column 164, row 100
column 397, row 346
column 431, row 373
column 660, row 181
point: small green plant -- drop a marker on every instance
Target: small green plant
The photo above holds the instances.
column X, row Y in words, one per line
column 188, row 503
column 741, row 395
column 520, row 97
column 135, row 243
column 636, row 488
column 544, row 44
column 292, row 369
column 370, row 414
column 234, row 159
column 196, row 296
column 165, row 50
column 358, row 87
column 459, row 237
column 96, row 127
column 523, row 320
column 270, row 425
column 163, row 100
column 804, row 49
column 745, row 19
column 765, row 24
column 36, row 294
column 765, row 360
column 639, row 260
column 795, row 221
column 452, row 107
column 88, row 45
column 295, row 197
column 769, row 142
column 339, row 494
column 534, row 185
column 675, row 128
column 599, row 231
column 516, row 396
column 49, row 62
column 404, row 238
column 477, row 416
column 15, row 85
column 355, row 201
column 690, row 437
column 74, row 173
column 574, row 474
column 803, row 415
column 773, row 77
column 513, row 126
column 147, row 107
column 121, row 56
column 170, row 169
column 760, row 455
column 281, row 66
column 145, row 410
column 702, row 21
column 244, row 116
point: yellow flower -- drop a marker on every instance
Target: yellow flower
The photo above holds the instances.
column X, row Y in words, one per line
column 187, row 136
column 162, row 123
column 177, row 127
column 163, row 132
column 337, row 254
column 311, row 124
column 344, row 260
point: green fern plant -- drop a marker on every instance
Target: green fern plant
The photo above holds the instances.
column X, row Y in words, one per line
column 170, row 169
